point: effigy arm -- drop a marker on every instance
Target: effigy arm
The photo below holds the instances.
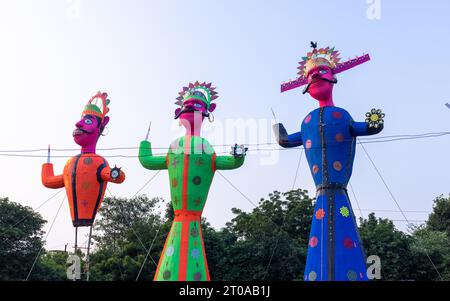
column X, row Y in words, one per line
column 48, row 178
column 148, row 160
column 285, row 140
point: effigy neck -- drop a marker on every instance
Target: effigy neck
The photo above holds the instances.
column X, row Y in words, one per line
column 326, row 103
column 88, row 149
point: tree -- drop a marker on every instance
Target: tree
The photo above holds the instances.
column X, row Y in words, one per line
column 430, row 255
column 380, row 237
column 51, row 266
column 20, row 239
column 126, row 229
column 439, row 219
column 269, row 243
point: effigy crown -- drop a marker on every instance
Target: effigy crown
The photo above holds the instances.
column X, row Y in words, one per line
column 321, row 57
column 97, row 106
column 200, row 91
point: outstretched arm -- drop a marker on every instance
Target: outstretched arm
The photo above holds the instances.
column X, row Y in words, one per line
column 373, row 125
column 363, row 129
column 234, row 161
column 285, row 140
column 228, row 162
column 48, row 178
column 148, row 160
column 114, row 175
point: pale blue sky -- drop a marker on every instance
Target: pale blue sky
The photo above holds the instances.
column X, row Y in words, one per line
column 54, row 55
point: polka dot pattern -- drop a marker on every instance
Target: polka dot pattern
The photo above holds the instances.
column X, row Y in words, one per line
column 308, row 119
column 348, row 243
column 337, row 165
column 340, row 137
column 336, row 115
column 313, row 242
column 320, row 214
column 351, row 275
column 344, row 211
column 87, row 161
column 170, row 251
column 197, row 180
column 198, row 276
column 315, row 169
column 195, row 253
column 174, row 183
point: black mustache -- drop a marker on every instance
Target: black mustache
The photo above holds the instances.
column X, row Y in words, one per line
column 190, row 110
column 333, row 81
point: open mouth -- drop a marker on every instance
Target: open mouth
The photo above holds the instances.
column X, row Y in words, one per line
column 78, row 132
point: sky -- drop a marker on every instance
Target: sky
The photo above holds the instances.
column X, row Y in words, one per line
column 54, row 55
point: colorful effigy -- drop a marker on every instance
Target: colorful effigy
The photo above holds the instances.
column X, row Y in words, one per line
column 86, row 175
column 191, row 162
column 329, row 135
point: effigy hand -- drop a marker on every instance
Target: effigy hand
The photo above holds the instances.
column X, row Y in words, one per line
column 375, row 118
column 239, row 151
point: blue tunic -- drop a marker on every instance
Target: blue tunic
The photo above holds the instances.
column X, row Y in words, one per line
column 329, row 137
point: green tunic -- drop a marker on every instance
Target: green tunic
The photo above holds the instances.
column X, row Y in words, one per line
column 191, row 162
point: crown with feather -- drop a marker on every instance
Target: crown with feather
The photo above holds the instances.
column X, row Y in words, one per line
column 97, row 106
column 199, row 91
column 321, row 57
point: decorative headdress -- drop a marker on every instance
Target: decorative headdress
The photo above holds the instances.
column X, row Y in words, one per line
column 97, row 106
column 203, row 92
column 320, row 57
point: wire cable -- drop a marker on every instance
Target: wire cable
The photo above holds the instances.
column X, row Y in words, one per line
column 397, row 204
column 46, row 236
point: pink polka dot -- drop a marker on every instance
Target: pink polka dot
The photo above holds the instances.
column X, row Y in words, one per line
column 340, row 137
column 308, row 119
column 337, row 166
column 315, row 169
column 308, row 144
column 348, row 243
column 313, row 242
column 337, row 115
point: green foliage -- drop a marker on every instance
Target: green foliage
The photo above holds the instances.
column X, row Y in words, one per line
column 381, row 238
column 51, row 266
column 429, row 244
column 268, row 243
column 20, row 239
column 439, row 219
column 126, row 229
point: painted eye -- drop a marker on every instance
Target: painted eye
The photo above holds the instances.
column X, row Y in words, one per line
column 323, row 71
column 88, row 121
column 197, row 105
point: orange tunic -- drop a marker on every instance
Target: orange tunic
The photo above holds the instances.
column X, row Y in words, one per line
column 85, row 178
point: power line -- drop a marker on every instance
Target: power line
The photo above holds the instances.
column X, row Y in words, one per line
column 384, row 139
column 398, row 205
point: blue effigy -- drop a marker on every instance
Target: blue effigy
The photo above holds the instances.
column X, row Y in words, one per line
column 328, row 135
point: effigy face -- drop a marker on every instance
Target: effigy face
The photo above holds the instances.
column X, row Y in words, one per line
column 85, row 175
column 87, row 131
column 320, row 82
column 329, row 135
